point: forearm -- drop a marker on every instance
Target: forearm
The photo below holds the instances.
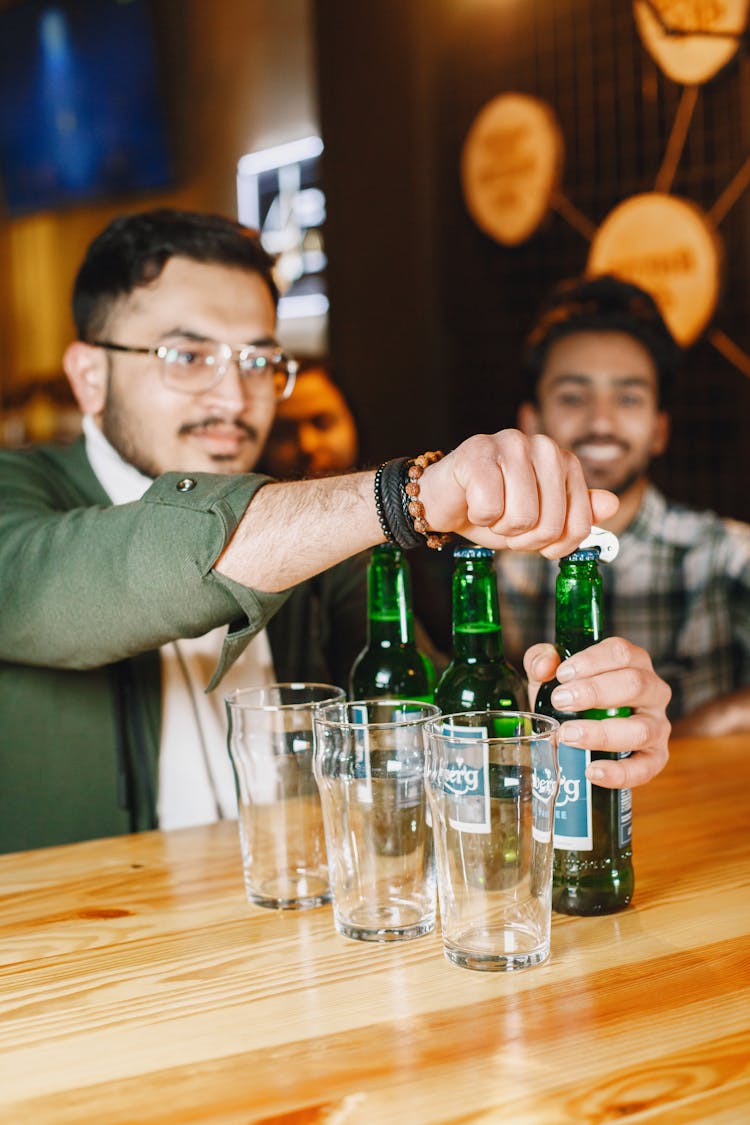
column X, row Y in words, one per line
column 729, row 714
column 294, row 530
column 500, row 490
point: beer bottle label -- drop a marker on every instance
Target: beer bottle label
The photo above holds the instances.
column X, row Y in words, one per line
column 543, row 786
column 573, row 822
column 464, row 779
column 404, row 779
column 362, row 770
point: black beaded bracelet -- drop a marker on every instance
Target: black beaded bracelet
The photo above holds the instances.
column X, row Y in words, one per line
column 400, row 512
column 396, row 526
column 398, row 519
column 379, row 505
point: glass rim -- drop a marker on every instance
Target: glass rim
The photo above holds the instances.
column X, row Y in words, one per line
column 384, row 700
column 336, row 694
column 552, row 727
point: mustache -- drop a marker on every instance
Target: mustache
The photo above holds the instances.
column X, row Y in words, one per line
column 218, row 420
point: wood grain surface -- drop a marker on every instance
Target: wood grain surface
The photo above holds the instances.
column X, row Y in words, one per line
column 138, row 986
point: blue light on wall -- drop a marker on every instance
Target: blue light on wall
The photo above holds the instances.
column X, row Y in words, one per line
column 80, row 111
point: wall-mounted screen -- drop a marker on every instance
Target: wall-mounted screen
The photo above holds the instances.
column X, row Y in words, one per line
column 80, row 111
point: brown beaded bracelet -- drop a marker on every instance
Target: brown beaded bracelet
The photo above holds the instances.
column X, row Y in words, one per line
column 415, row 507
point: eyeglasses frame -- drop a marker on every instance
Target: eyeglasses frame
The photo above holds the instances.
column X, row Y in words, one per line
column 238, row 354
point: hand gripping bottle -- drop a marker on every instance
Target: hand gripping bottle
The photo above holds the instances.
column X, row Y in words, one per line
column 593, row 864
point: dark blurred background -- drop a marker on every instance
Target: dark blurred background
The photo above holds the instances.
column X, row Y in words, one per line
column 428, row 320
column 427, row 313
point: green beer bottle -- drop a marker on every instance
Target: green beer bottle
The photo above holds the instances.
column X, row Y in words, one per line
column 390, row 664
column 593, row 865
column 478, row 677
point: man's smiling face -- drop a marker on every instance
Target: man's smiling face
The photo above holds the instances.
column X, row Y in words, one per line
column 598, row 396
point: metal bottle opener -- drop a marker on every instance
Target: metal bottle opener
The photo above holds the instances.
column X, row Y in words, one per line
column 606, row 541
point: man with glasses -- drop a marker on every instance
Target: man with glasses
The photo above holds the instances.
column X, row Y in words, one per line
column 125, row 556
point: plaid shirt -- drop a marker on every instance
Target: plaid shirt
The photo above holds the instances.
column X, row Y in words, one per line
column 679, row 588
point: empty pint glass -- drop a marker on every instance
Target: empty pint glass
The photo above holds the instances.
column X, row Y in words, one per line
column 492, row 779
column 369, row 765
column 280, row 820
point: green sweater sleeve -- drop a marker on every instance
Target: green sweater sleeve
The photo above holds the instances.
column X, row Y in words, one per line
column 82, row 586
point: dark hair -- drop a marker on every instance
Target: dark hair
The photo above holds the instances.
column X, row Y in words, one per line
column 134, row 249
column 602, row 304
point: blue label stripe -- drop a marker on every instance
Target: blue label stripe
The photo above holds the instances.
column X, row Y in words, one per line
column 463, row 777
column 573, row 831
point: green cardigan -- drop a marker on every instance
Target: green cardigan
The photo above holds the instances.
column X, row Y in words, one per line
column 88, row 594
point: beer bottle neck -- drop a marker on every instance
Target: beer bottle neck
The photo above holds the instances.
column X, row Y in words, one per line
column 389, row 616
column 477, row 634
column 578, row 606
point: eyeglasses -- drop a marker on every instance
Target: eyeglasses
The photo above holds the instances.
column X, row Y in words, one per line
column 197, row 366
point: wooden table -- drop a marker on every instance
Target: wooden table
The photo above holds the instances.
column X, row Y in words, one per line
column 137, row 985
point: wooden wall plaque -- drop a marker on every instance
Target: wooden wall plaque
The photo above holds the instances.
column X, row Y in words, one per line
column 510, row 165
column 669, row 247
column 691, row 59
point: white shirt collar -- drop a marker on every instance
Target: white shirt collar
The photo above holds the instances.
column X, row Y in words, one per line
column 196, row 783
column 122, row 482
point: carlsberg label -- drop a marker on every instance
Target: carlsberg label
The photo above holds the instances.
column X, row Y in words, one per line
column 543, row 786
column 573, row 829
column 463, row 778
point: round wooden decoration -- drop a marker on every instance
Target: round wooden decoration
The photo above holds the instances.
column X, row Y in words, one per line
column 669, row 247
column 691, row 59
column 510, row 165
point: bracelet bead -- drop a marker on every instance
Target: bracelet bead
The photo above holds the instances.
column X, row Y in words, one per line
column 415, row 507
column 400, row 512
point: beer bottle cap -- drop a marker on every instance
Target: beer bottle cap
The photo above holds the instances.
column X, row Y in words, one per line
column 473, row 552
column 583, row 554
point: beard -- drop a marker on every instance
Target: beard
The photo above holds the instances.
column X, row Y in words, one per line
column 117, row 429
column 123, row 434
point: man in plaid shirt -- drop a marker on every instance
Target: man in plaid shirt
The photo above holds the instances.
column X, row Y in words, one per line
column 599, row 365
